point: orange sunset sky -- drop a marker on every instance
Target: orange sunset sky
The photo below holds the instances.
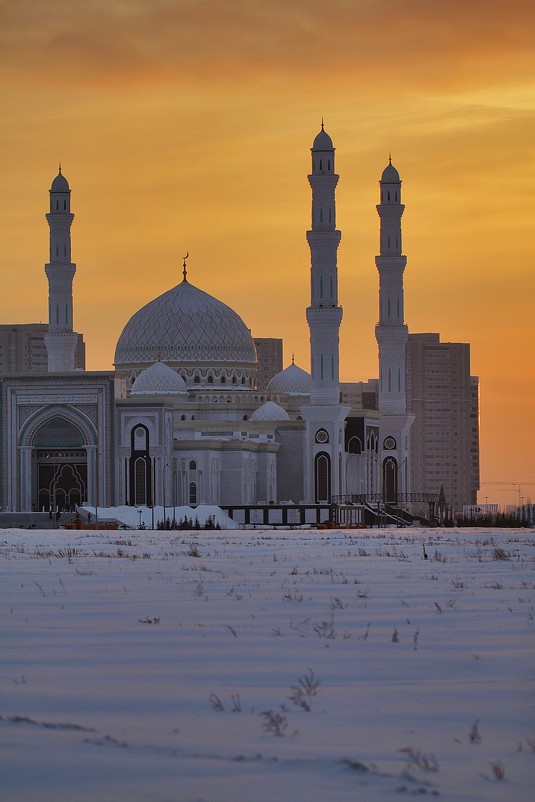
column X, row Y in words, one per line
column 186, row 125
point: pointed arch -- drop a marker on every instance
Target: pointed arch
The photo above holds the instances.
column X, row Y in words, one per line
column 322, row 477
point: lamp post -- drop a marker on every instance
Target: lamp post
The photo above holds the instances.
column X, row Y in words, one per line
column 139, row 513
column 379, row 512
column 96, row 486
column 154, row 461
column 400, row 493
column 174, row 479
column 163, row 491
column 54, row 501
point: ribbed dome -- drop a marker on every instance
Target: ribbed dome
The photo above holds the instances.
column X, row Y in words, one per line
column 60, row 183
column 270, row 411
column 186, row 327
column 390, row 175
column 323, row 141
column 293, row 380
column 159, row 379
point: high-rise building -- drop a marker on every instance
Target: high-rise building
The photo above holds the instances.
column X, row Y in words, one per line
column 443, row 397
column 23, row 349
column 269, row 353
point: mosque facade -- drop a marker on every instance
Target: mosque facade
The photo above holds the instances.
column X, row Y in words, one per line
column 180, row 419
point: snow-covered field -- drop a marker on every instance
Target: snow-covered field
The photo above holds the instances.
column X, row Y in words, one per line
column 259, row 666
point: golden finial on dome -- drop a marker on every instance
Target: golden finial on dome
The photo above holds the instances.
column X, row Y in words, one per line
column 184, row 268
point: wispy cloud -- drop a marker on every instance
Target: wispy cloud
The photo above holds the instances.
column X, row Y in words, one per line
column 367, row 42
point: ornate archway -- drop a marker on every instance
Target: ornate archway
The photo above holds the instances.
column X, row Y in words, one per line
column 59, row 465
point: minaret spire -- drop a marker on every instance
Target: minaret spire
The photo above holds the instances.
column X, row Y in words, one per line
column 391, row 332
column 60, row 339
column 324, row 314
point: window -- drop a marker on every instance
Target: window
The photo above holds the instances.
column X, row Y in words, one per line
column 322, row 477
column 193, row 493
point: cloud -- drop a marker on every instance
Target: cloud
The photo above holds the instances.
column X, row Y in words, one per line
column 388, row 43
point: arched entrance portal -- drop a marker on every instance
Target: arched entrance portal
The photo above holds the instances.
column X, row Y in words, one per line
column 60, row 465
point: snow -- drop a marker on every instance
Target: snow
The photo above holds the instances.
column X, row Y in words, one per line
column 132, row 517
column 136, row 665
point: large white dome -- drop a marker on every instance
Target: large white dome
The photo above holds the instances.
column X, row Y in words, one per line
column 192, row 332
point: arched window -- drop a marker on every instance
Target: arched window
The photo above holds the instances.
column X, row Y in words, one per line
column 192, row 465
column 354, row 446
column 192, row 493
column 322, row 476
column 196, row 379
column 223, row 379
column 140, row 466
column 210, row 379
column 390, row 480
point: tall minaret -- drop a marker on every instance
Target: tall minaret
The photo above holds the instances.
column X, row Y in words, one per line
column 324, row 315
column 60, row 340
column 325, row 417
column 391, row 334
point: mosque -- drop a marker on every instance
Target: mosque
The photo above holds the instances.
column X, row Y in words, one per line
column 181, row 421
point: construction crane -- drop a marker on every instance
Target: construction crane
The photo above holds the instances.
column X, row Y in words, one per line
column 520, row 484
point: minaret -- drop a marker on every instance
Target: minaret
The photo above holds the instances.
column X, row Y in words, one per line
column 391, row 332
column 325, row 417
column 324, row 316
column 60, row 340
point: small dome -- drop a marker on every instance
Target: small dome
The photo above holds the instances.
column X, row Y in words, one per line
column 159, row 379
column 60, row 183
column 270, row 411
column 390, row 175
column 323, row 141
column 293, row 380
